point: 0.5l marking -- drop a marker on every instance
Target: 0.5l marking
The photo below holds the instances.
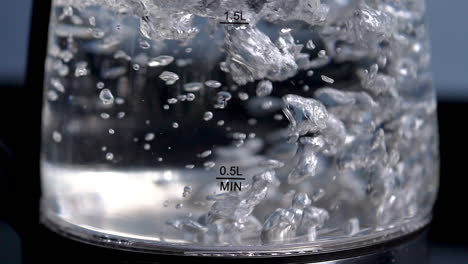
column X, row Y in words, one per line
column 231, row 174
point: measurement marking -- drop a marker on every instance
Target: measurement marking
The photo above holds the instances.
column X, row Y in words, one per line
column 233, row 23
column 230, row 178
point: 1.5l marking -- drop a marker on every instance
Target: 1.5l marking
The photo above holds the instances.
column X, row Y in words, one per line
column 234, row 18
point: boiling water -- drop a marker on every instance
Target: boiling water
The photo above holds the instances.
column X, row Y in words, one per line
column 242, row 123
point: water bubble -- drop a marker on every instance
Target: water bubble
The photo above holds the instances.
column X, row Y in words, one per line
column 189, row 166
column 166, row 107
column 193, row 86
column 111, row 131
column 310, row 45
column 169, row 77
column 213, row 84
column 147, row 122
column 149, row 137
column 162, row 60
column 172, row 100
column 175, row 125
column 220, row 123
column 109, row 156
column 106, row 97
column 188, row 50
column 305, row 88
column 120, row 115
column 136, row 67
column 264, row 88
column 57, row 137
column 207, row 116
column 160, row 159
column 179, row 206
column 310, row 73
column 100, row 85
column 146, row 146
column 52, row 95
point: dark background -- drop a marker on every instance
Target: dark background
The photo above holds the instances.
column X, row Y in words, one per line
column 19, row 130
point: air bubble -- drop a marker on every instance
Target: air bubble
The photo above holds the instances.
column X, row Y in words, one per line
column 264, row 88
column 310, row 45
column 57, row 137
column 52, row 95
column 208, row 116
column 327, row 79
column 213, row 84
column 109, row 156
column 243, row 96
column 172, row 100
column 149, row 137
column 204, row 154
column 105, row 115
column 187, row 191
column 100, row 85
column 209, row 164
column 322, row 54
column 81, row 69
column 190, row 97
column 193, row 86
column 169, row 77
column 145, row 44
column 57, row 85
column 159, row 61
column 106, row 97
